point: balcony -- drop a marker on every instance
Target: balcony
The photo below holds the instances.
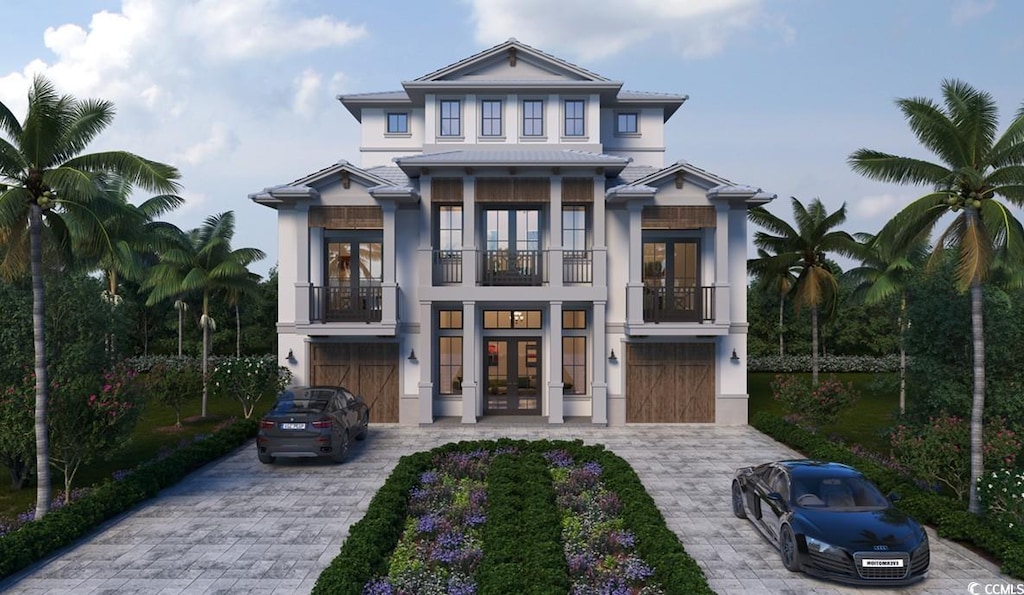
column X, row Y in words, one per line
column 578, row 266
column 345, row 304
column 505, row 267
column 447, row 267
column 679, row 304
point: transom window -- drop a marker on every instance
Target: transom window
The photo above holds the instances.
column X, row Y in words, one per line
column 504, row 319
column 574, row 117
column 627, row 123
column 490, row 117
column 398, row 123
column 451, row 117
column 574, row 319
column 533, row 117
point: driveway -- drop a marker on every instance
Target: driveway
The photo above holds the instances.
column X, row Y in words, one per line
column 237, row 526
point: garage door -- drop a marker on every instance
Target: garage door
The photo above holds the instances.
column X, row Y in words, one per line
column 367, row 369
column 670, row 382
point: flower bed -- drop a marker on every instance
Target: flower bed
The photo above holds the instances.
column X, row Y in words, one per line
column 405, row 545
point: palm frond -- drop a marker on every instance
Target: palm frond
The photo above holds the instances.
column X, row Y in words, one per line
column 899, row 170
column 975, row 116
column 150, row 175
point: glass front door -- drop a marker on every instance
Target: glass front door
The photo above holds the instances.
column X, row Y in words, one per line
column 513, row 376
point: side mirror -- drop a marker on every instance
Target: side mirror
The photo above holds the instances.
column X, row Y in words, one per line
column 893, row 497
column 777, row 499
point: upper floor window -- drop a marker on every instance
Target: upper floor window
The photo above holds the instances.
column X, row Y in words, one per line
column 627, row 123
column 574, row 227
column 451, row 117
column 574, row 117
column 449, row 228
column 490, row 117
column 398, row 123
column 533, row 117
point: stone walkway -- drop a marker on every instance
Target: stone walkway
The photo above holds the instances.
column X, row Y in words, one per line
column 237, row 526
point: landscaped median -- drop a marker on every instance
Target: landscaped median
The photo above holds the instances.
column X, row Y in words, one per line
column 948, row 515
column 37, row 539
column 504, row 517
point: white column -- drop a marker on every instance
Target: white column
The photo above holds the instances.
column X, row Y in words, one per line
column 553, row 369
column 555, row 276
column 469, row 239
column 635, row 285
column 423, row 344
column 599, row 385
column 600, row 229
column 389, row 297
column 723, row 260
column 470, row 364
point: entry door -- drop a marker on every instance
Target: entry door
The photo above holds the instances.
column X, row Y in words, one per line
column 513, row 376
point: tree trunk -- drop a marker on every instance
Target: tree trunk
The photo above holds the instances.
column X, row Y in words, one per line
column 35, row 232
column 978, row 401
column 903, row 354
column 181, row 323
column 205, row 321
column 782, row 303
column 814, row 345
column 238, row 332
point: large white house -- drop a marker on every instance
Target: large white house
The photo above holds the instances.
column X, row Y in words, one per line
column 512, row 242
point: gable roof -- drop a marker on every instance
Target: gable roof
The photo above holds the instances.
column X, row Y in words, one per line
column 702, row 177
column 517, row 50
column 305, row 188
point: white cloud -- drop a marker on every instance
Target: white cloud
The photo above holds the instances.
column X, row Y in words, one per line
column 308, row 91
column 219, row 141
column 594, row 29
column 968, row 10
column 881, row 206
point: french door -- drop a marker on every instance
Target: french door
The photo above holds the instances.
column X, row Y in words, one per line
column 513, row 376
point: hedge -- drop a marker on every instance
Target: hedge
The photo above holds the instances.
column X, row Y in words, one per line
column 831, row 364
column 948, row 515
column 37, row 539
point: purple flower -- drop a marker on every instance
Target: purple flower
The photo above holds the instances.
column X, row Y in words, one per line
column 558, row 458
column 428, row 523
column 378, row 586
column 429, row 477
column 637, row 570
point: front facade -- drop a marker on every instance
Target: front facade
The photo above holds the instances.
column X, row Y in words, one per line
column 512, row 243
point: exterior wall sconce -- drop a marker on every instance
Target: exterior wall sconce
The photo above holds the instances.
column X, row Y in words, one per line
column 412, row 355
column 735, row 358
column 290, row 358
column 611, row 358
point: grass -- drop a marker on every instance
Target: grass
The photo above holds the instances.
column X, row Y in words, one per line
column 154, row 432
column 867, row 423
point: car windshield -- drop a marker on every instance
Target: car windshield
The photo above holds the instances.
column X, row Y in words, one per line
column 840, row 493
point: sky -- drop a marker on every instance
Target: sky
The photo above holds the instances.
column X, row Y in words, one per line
column 241, row 94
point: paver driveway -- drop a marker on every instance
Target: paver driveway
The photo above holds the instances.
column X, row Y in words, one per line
column 241, row 527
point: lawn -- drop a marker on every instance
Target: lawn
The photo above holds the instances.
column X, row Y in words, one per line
column 865, row 424
column 155, row 431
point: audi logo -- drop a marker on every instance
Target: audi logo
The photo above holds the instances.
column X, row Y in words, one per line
column 881, row 548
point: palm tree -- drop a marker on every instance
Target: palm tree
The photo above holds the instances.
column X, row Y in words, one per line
column 974, row 170
column 779, row 274
column 806, row 248
column 884, row 274
column 45, row 176
column 203, row 262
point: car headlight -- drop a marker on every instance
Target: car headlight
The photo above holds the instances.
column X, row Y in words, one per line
column 817, row 545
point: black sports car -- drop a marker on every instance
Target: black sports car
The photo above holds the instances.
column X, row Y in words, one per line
column 312, row 421
column 828, row 520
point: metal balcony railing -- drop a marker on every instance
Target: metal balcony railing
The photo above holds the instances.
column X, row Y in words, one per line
column 679, row 304
column 447, row 267
column 345, row 304
column 577, row 266
column 506, row 267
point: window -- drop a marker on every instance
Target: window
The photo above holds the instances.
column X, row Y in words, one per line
column 533, row 117
column 354, row 277
column 449, row 228
column 574, row 117
column 451, row 117
column 499, row 319
column 449, row 350
column 574, row 352
column 398, row 123
column 574, row 227
column 574, row 319
column 627, row 123
column 490, row 114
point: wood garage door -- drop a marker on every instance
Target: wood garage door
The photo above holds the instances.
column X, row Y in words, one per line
column 670, row 382
column 367, row 369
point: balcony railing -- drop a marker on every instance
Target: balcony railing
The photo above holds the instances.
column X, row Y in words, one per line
column 578, row 266
column 345, row 304
column 505, row 267
column 679, row 304
column 447, row 267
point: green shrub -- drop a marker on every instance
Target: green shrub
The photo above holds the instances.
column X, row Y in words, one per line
column 817, row 405
column 837, row 364
column 248, row 379
column 171, row 381
column 1001, row 494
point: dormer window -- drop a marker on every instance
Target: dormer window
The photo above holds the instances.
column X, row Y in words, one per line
column 533, row 117
column 574, row 118
column 451, row 117
column 398, row 123
column 490, row 117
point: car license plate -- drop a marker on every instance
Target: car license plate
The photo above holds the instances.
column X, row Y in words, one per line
column 891, row 563
column 290, row 426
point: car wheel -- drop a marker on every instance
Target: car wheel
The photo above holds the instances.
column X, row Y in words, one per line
column 788, row 549
column 265, row 458
column 737, row 501
column 341, row 449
